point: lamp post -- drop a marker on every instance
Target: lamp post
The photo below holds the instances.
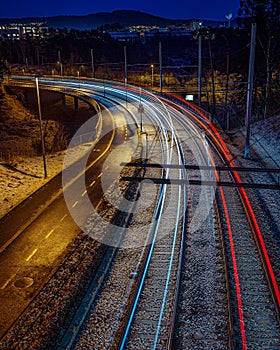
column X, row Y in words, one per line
column 141, row 110
column 160, row 67
column 199, row 69
column 152, row 66
column 61, row 68
column 229, row 17
column 78, row 75
column 41, row 127
column 125, row 73
column 92, row 63
column 125, row 66
column 59, row 62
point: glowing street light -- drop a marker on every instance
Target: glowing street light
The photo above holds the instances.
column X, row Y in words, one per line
column 152, row 66
column 61, row 67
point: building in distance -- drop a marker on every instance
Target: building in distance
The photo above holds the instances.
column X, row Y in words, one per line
column 144, row 33
column 19, row 31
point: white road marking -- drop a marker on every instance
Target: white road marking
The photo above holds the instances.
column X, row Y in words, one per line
column 93, row 182
column 99, row 175
column 48, row 235
column 30, row 256
column 84, row 193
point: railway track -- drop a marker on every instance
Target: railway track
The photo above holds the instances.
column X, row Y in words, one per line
column 253, row 302
column 265, row 204
column 143, row 329
column 203, row 313
column 161, row 258
column 150, row 322
column 218, row 277
column 27, row 340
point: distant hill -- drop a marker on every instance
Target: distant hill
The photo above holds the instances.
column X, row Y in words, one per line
column 92, row 21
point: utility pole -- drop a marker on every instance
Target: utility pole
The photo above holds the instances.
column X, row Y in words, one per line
column 160, row 67
column 125, row 66
column 41, row 128
column 227, row 84
column 125, row 73
column 199, row 69
column 213, row 112
column 92, row 63
column 250, row 90
column 60, row 63
column 226, row 97
column 152, row 75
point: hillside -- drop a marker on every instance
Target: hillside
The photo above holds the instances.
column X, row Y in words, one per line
column 93, row 21
column 21, row 165
column 264, row 141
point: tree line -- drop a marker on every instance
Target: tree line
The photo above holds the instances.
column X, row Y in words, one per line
column 225, row 59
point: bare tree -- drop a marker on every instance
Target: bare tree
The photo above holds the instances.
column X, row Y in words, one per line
column 266, row 13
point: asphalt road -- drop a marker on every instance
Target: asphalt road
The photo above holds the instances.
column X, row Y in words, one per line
column 34, row 236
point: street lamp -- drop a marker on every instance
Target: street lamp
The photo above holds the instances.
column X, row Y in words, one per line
column 152, row 66
column 229, row 17
column 61, row 68
column 41, row 126
column 141, row 111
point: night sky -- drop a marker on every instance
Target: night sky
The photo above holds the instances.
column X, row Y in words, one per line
column 183, row 9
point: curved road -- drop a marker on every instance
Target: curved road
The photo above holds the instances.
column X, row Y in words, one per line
column 40, row 247
column 35, row 235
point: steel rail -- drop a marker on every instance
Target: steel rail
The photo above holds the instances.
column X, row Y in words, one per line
column 186, row 127
column 219, row 145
